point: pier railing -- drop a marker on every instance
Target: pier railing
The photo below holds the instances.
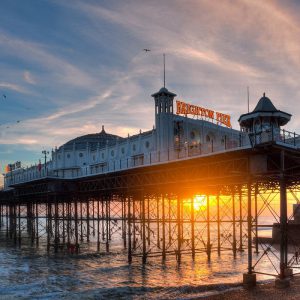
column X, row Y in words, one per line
column 282, row 136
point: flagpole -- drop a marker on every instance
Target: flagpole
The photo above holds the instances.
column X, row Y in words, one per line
column 164, row 70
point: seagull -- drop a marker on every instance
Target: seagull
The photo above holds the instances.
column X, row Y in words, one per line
column 18, row 121
column 146, row 50
column 4, row 96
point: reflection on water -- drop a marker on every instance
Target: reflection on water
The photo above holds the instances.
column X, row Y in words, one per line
column 30, row 273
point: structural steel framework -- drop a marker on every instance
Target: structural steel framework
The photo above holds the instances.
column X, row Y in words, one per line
column 207, row 204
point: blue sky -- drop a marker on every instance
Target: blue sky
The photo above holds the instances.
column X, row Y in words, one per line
column 67, row 67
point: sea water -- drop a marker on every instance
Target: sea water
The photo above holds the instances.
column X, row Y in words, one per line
column 30, row 273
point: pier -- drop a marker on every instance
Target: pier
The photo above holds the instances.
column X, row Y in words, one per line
column 203, row 203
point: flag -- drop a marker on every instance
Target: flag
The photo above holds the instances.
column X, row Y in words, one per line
column 39, row 166
column 7, row 168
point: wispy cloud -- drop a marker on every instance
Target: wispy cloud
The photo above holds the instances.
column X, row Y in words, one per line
column 91, row 69
column 28, row 77
column 13, row 87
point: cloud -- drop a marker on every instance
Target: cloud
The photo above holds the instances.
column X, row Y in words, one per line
column 28, row 77
column 93, row 70
column 13, row 87
column 37, row 54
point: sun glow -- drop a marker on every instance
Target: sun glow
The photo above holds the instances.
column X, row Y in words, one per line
column 200, row 202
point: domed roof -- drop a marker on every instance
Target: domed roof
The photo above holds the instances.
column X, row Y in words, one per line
column 94, row 140
column 264, row 108
column 265, row 104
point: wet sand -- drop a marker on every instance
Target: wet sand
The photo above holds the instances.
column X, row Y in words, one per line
column 265, row 291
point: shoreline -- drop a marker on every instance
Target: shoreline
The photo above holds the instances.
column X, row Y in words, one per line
column 263, row 290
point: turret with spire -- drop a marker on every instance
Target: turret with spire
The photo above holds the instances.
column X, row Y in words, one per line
column 264, row 119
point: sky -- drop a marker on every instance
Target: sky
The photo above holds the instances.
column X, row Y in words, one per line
column 69, row 67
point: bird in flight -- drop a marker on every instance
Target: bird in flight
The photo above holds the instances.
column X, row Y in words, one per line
column 146, row 50
column 4, row 96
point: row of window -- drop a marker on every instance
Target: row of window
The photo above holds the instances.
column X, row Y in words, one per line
column 112, row 153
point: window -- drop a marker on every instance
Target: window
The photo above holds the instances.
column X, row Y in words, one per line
column 80, row 154
column 58, row 156
column 102, row 155
column 94, row 157
column 223, row 139
column 122, row 150
column 133, row 147
column 192, row 134
column 147, row 144
column 208, row 138
column 68, row 155
column 112, row 153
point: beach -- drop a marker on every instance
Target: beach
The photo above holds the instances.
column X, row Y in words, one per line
column 265, row 291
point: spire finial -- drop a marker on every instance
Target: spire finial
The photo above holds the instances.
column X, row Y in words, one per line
column 164, row 70
column 264, row 94
column 248, row 99
column 103, row 128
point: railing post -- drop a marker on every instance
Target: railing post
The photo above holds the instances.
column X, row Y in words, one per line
column 272, row 133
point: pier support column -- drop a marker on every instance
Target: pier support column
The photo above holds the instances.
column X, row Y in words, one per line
column 256, row 219
column 241, row 220
column 19, row 225
column 76, row 224
column 163, row 229
column 87, row 220
column 208, row 244
column 144, row 228
column 218, row 224
column 124, row 221
column 283, row 280
column 107, row 222
column 129, row 230
column 157, row 222
column 98, row 225
column 193, row 227
column 233, row 225
column 179, row 226
column 249, row 279
column 37, row 223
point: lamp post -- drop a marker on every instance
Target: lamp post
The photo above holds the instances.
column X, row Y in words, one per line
column 45, row 156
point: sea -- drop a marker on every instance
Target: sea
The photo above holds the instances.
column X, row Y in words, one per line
column 29, row 272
